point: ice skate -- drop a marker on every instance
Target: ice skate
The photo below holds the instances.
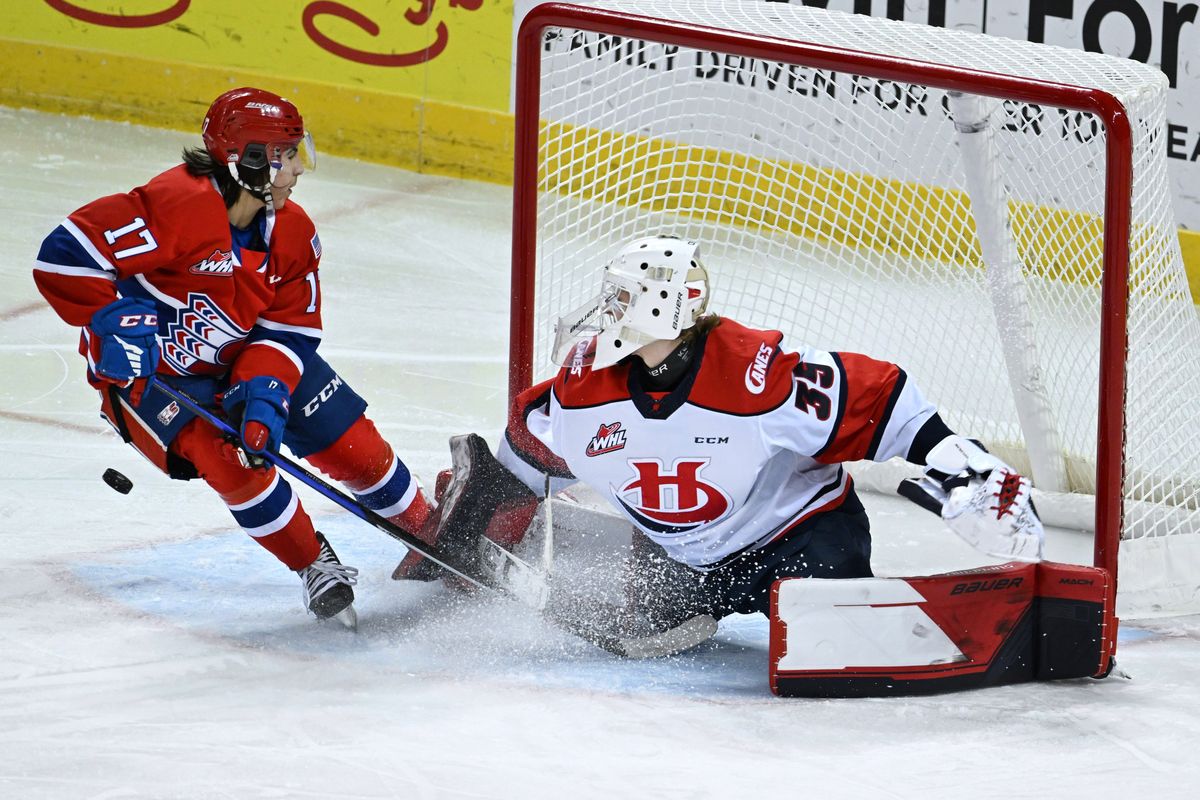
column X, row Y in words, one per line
column 328, row 587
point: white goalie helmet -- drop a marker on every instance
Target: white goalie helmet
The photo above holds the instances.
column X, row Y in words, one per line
column 654, row 289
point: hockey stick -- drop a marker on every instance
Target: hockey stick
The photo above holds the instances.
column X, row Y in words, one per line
column 301, row 474
column 603, row 640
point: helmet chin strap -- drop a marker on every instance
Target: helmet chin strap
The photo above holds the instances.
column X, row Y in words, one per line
column 260, row 192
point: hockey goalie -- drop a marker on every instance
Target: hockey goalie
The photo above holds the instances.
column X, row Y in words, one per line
column 724, row 449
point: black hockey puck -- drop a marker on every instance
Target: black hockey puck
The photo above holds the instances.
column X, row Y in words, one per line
column 117, row 481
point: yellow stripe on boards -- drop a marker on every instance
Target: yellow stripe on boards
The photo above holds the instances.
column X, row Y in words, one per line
column 893, row 217
column 446, row 139
column 396, row 130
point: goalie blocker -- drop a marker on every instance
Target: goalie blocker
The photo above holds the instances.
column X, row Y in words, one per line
column 1003, row 624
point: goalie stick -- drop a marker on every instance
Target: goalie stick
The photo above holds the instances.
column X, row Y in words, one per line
column 503, row 572
column 485, row 510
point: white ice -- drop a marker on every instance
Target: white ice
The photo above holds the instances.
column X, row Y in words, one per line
column 147, row 649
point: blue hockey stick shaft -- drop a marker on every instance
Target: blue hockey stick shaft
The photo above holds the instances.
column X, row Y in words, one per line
column 588, row 632
column 285, row 464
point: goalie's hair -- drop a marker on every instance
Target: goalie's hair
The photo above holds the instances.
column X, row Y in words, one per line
column 201, row 164
column 702, row 328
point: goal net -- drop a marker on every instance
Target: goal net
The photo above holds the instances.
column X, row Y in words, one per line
column 992, row 215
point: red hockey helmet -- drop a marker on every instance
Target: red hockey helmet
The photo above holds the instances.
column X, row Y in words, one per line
column 252, row 128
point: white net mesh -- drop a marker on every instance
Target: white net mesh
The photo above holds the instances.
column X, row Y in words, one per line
column 838, row 209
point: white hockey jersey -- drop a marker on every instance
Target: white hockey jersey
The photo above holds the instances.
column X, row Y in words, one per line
column 747, row 446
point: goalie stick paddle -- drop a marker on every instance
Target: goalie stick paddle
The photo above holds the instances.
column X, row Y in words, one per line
column 604, row 640
column 910, row 489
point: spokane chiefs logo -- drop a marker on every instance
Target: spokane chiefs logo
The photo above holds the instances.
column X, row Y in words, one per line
column 607, row 439
column 671, row 501
column 201, row 332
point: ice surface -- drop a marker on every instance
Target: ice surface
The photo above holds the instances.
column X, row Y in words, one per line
column 148, row 650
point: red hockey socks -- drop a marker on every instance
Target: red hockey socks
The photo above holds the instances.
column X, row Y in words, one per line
column 263, row 504
column 368, row 466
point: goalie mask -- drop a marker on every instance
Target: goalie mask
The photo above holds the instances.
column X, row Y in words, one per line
column 654, row 289
column 250, row 130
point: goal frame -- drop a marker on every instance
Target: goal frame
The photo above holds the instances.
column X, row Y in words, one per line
column 1118, row 181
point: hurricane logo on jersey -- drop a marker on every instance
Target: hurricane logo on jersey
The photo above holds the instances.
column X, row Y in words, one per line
column 607, row 440
column 756, row 373
column 219, row 263
column 674, row 500
column 199, row 333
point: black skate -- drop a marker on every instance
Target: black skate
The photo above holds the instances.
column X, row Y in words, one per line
column 328, row 591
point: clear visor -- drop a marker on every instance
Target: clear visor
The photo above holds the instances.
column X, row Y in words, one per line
column 307, row 152
column 587, row 322
column 304, row 151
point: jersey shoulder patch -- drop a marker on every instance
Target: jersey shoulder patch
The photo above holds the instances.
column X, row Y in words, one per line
column 743, row 371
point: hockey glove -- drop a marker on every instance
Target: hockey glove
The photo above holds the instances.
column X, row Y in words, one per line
column 123, row 345
column 258, row 408
column 982, row 499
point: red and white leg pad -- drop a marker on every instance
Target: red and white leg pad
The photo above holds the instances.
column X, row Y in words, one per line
column 990, row 626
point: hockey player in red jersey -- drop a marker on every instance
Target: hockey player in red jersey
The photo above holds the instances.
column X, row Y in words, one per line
column 206, row 278
column 725, row 450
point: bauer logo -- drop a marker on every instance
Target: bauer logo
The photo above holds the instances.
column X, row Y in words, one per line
column 674, row 500
column 971, row 587
column 608, row 439
column 219, row 263
column 756, row 373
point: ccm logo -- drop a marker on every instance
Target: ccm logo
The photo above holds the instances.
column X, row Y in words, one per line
column 326, row 392
column 986, row 586
column 712, row 440
column 133, row 320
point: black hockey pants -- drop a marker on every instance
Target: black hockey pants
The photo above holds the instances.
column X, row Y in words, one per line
column 833, row 544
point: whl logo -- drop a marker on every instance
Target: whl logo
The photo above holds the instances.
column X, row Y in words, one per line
column 608, row 439
column 671, row 501
column 219, row 263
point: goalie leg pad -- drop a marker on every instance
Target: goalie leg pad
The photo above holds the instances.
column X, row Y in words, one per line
column 905, row 636
column 481, row 499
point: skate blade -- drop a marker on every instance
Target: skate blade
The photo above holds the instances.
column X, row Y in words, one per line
column 348, row 617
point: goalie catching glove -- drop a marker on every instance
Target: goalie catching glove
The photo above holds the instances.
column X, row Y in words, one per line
column 982, row 499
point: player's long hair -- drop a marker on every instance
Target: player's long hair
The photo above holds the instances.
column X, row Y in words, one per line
column 202, row 165
column 702, row 328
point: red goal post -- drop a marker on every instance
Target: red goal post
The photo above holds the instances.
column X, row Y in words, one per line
column 652, row 22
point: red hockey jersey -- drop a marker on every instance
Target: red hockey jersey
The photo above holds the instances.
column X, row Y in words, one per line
column 228, row 300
